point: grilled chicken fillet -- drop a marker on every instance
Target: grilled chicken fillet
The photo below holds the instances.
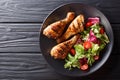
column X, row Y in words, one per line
column 61, row 50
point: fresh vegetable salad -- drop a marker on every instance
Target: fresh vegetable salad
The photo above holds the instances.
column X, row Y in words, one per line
column 88, row 47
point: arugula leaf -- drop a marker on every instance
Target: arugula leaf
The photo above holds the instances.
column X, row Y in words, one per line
column 90, row 60
column 105, row 37
column 72, row 61
column 98, row 35
column 79, row 48
column 85, row 34
column 95, row 49
column 102, row 46
column 95, row 28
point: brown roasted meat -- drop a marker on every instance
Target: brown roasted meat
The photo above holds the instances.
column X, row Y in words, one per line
column 75, row 27
column 56, row 29
column 61, row 50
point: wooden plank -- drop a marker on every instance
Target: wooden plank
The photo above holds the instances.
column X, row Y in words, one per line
column 24, row 65
column 32, row 66
column 25, row 38
column 37, row 10
column 19, row 37
column 116, row 30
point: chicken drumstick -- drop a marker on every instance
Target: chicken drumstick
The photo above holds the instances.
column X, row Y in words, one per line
column 56, row 29
column 75, row 27
column 61, row 50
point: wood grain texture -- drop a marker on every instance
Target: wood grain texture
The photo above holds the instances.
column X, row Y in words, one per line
column 24, row 65
column 20, row 55
column 25, row 38
column 37, row 10
column 22, row 58
column 32, row 66
column 19, row 37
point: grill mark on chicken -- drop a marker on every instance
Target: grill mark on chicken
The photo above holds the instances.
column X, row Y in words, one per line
column 78, row 24
column 67, row 44
column 61, row 52
column 73, row 26
column 50, row 34
column 75, row 23
column 56, row 29
column 62, row 49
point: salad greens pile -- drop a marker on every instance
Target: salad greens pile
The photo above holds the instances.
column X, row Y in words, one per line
column 93, row 40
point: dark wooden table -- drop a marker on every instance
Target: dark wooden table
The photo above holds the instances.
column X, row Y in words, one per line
column 20, row 55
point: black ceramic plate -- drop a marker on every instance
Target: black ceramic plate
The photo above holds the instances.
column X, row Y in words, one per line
column 46, row 44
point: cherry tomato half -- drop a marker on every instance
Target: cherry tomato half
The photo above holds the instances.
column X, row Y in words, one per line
column 72, row 51
column 84, row 67
column 88, row 24
column 96, row 57
column 102, row 30
column 87, row 45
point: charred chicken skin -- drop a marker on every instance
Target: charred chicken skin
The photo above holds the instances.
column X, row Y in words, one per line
column 61, row 50
column 75, row 27
column 56, row 29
